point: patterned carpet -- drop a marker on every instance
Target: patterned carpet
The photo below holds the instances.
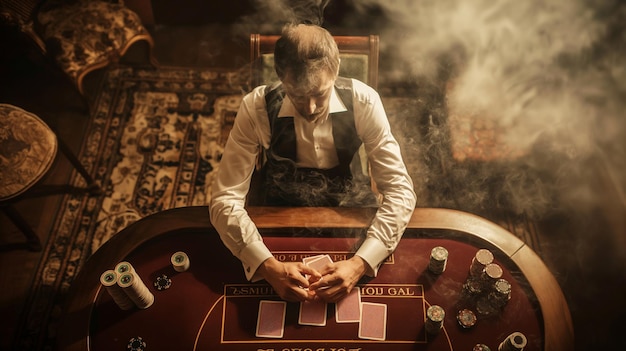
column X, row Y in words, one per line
column 153, row 143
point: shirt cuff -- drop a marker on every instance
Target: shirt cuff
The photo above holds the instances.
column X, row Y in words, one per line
column 252, row 256
column 373, row 252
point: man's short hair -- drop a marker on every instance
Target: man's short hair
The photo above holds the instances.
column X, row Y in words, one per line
column 304, row 50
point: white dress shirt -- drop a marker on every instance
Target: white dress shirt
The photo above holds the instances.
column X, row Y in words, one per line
column 316, row 149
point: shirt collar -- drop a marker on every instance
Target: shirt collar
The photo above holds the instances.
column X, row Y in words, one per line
column 336, row 105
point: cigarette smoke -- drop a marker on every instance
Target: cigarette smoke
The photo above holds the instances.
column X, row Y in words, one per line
column 548, row 74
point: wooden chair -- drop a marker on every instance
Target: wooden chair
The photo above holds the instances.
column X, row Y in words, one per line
column 28, row 148
column 359, row 58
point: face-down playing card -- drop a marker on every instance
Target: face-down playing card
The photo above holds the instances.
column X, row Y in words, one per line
column 271, row 319
column 348, row 309
column 373, row 321
column 313, row 313
column 318, row 262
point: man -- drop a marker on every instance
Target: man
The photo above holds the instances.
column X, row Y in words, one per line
column 310, row 126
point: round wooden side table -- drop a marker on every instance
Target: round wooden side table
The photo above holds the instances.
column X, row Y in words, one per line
column 28, row 148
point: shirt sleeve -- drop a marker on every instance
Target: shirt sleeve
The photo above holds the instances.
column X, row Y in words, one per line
column 230, row 187
column 389, row 174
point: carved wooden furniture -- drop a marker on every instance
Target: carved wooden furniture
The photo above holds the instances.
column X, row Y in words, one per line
column 28, row 148
column 78, row 36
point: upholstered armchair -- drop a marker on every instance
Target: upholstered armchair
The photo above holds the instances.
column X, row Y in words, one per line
column 78, row 36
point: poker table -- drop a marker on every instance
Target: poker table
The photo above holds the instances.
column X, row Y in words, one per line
column 211, row 305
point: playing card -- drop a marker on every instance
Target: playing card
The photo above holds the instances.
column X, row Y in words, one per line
column 317, row 262
column 313, row 313
column 348, row 309
column 271, row 319
column 373, row 321
column 308, row 259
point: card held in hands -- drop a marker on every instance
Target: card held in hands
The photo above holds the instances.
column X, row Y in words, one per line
column 348, row 309
column 271, row 319
column 308, row 259
column 317, row 262
column 313, row 313
column 373, row 321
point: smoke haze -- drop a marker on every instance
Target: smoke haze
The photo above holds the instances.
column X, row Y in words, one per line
column 550, row 77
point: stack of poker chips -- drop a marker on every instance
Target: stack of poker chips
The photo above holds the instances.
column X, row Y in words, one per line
column 485, row 305
column 135, row 288
column 180, row 261
column 476, row 279
column 491, row 274
column 130, row 290
column 109, row 280
column 434, row 319
column 481, row 259
column 438, row 260
column 485, row 290
column 124, row 267
column 514, row 342
column 501, row 293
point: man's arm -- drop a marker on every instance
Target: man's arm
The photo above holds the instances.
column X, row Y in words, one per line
column 227, row 209
column 230, row 188
column 390, row 174
column 393, row 182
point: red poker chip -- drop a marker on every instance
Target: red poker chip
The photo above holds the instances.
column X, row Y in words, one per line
column 466, row 318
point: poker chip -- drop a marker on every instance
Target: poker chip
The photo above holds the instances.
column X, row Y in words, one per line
column 136, row 344
column 435, row 313
column 501, row 293
column 503, row 289
column 124, row 267
column 434, row 319
column 438, row 259
column 472, row 287
column 481, row 347
column 514, row 342
column 466, row 318
column 485, row 307
column 180, row 261
column 482, row 258
column 493, row 272
column 162, row 282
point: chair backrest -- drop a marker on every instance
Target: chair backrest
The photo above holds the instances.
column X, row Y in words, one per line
column 359, row 58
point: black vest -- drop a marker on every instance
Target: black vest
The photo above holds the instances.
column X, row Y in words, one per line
column 283, row 183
